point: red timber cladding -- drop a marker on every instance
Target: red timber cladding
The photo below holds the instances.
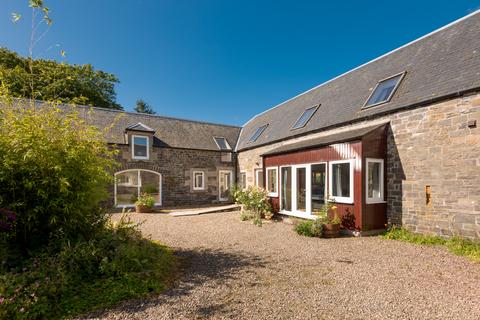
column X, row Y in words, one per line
column 341, row 151
column 375, row 146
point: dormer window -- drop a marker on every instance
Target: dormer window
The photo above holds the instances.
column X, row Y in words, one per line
column 222, row 143
column 384, row 90
column 140, row 147
column 258, row 133
column 304, row 118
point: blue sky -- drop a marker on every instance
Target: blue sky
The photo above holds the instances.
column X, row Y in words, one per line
column 224, row 61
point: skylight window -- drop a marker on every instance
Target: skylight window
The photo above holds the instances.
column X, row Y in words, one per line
column 384, row 90
column 304, row 118
column 258, row 133
column 222, row 143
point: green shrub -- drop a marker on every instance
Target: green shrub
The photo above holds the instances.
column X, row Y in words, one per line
column 118, row 264
column 54, row 172
column 145, row 200
column 245, row 215
column 309, row 228
column 458, row 246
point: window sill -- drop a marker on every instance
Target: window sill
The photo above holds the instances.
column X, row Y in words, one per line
column 375, row 201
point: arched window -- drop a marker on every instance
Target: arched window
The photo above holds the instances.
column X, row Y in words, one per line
column 129, row 184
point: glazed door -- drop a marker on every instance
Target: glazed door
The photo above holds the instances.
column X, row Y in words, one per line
column 295, row 190
column 224, row 184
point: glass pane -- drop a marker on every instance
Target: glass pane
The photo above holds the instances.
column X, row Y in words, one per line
column 225, row 183
column 302, row 121
column 301, row 189
column 383, row 90
column 150, row 183
column 127, row 187
column 272, row 180
column 198, row 180
column 243, row 180
column 259, row 178
column 341, row 180
column 140, row 146
column 318, row 187
column 374, row 175
column 258, row 133
column 286, row 203
column 222, row 143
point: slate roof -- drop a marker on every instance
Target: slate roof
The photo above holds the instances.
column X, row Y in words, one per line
column 441, row 64
column 169, row 132
column 323, row 141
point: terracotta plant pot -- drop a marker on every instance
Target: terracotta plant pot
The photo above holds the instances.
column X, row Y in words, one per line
column 331, row 230
column 142, row 209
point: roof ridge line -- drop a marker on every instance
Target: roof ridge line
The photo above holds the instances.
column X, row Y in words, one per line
column 368, row 62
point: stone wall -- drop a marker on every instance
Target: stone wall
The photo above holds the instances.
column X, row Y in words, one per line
column 429, row 146
column 176, row 167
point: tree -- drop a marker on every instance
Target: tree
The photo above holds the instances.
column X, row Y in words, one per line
column 143, row 107
column 49, row 80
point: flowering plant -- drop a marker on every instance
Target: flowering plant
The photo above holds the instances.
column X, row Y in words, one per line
column 253, row 199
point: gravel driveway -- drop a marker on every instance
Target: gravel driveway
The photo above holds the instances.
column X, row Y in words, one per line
column 233, row 269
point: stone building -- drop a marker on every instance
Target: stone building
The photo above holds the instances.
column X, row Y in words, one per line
column 179, row 162
column 395, row 140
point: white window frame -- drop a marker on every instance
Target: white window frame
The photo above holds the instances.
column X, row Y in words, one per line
column 195, row 187
column 242, row 182
column 133, row 148
column 257, row 178
column 272, row 193
column 139, row 186
column 380, row 199
column 330, row 180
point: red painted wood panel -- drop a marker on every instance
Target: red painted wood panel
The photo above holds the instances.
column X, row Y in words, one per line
column 341, row 151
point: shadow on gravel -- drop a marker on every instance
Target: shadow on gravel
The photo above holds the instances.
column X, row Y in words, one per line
column 195, row 268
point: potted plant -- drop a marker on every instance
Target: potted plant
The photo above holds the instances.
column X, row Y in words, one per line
column 331, row 220
column 144, row 203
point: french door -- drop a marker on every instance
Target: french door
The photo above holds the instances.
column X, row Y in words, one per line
column 302, row 189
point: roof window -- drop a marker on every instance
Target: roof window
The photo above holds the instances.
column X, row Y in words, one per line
column 222, row 143
column 305, row 117
column 258, row 133
column 384, row 90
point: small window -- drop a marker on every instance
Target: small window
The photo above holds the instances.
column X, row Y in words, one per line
column 341, row 180
column 304, row 118
column 222, row 143
column 198, row 180
column 259, row 178
column 384, row 90
column 258, row 133
column 140, row 147
column 243, row 180
column 272, row 182
column 374, row 181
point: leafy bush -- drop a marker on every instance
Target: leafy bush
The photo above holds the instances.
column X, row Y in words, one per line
column 118, row 264
column 245, row 215
column 254, row 200
column 459, row 246
column 54, row 171
column 310, row 228
column 145, row 199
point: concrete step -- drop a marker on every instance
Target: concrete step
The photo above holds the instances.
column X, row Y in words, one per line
column 195, row 212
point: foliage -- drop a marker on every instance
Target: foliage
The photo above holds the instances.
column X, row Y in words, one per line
column 459, row 246
column 116, row 265
column 54, row 171
column 254, row 200
column 328, row 213
column 143, row 107
column 309, row 228
column 49, row 80
column 145, row 199
column 245, row 215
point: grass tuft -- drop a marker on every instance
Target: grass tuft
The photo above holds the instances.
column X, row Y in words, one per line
column 456, row 245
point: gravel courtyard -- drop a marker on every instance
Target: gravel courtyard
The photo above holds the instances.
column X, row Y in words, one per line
column 235, row 270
